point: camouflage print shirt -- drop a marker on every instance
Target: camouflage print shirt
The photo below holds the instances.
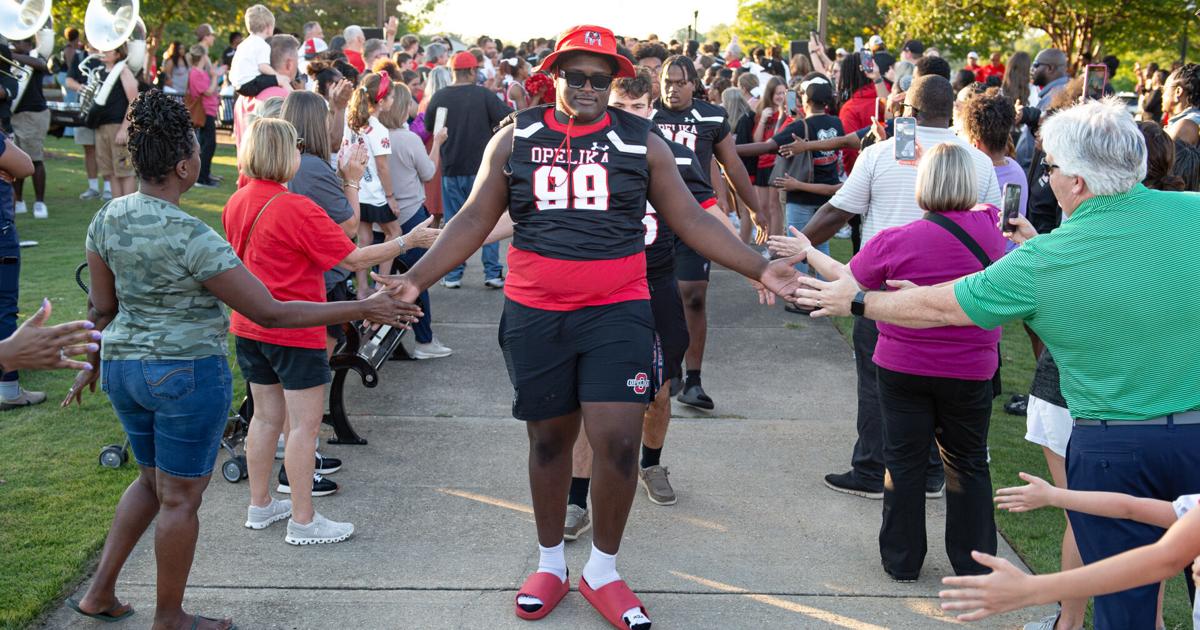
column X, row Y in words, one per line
column 160, row 256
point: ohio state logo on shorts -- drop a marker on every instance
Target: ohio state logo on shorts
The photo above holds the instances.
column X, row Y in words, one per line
column 639, row 383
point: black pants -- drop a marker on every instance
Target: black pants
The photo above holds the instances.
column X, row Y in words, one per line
column 207, row 136
column 867, row 460
column 918, row 410
column 10, row 283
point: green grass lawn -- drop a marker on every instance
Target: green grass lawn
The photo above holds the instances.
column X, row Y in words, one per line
column 1036, row 536
column 56, row 502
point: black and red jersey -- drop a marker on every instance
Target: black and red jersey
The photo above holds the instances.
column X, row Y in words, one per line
column 660, row 239
column 577, row 195
column 699, row 128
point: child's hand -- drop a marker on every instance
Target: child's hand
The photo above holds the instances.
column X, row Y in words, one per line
column 1025, row 498
column 788, row 246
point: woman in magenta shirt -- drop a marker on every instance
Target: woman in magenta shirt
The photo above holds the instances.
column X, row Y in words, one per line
column 935, row 383
column 202, row 85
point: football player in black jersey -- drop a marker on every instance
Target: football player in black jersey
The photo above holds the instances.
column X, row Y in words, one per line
column 575, row 177
column 703, row 128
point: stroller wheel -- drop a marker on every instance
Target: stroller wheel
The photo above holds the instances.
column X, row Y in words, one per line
column 113, row 456
column 234, row 469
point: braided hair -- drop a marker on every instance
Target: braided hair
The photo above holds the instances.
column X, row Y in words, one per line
column 160, row 135
column 1188, row 79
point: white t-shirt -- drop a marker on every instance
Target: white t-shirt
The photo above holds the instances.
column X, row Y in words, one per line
column 883, row 190
column 375, row 137
column 1183, row 505
column 252, row 52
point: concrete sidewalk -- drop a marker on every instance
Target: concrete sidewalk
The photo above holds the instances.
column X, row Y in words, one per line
column 445, row 533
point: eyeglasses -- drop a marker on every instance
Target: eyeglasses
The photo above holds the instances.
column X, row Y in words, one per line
column 1052, row 167
column 575, row 80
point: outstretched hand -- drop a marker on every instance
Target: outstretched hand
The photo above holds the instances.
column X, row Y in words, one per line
column 780, row 277
column 828, row 298
column 792, row 245
column 1025, row 498
column 399, row 285
column 35, row 346
column 1005, row 588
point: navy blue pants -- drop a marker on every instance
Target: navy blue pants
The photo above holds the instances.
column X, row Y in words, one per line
column 10, row 282
column 422, row 329
column 1159, row 462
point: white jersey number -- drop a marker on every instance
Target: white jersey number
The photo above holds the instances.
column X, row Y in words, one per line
column 588, row 185
column 651, row 223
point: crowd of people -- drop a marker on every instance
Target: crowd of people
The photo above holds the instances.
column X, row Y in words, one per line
column 972, row 198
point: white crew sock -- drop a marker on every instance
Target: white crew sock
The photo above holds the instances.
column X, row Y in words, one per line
column 551, row 560
column 94, row 184
column 600, row 571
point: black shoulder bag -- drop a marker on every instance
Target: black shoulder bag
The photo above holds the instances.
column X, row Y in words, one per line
column 971, row 244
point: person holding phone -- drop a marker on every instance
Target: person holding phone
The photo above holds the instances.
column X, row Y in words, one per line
column 986, row 121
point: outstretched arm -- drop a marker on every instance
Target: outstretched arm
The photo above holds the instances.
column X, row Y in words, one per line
column 1008, row 588
column 1038, row 493
column 472, row 224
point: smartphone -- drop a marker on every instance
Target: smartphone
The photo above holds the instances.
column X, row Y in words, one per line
column 1012, row 205
column 858, row 44
column 791, row 102
column 880, row 109
column 439, row 120
column 1094, row 79
column 868, row 61
column 906, row 138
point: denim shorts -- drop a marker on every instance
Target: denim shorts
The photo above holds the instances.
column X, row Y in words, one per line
column 173, row 410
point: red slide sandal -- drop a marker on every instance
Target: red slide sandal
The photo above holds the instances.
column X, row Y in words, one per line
column 546, row 587
column 611, row 601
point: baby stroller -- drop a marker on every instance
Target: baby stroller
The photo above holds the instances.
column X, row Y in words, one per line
column 234, row 468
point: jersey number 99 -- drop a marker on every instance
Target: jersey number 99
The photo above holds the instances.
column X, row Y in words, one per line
column 585, row 188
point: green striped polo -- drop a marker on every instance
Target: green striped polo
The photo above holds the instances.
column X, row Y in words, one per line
column 1115, row 295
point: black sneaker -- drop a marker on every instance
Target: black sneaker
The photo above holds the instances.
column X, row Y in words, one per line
column 211, row 183
column 321, row 486
column 935, row 488
column 694, row 396
column 1017, row 407
column 327, row 465
column 902, row 579
column 848, row 483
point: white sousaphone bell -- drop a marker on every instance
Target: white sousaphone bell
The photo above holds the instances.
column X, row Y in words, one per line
column 22, row 19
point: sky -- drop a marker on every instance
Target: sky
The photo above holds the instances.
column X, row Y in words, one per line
column 517, row 19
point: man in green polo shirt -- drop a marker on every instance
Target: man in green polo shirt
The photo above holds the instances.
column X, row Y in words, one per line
column 1115, row 295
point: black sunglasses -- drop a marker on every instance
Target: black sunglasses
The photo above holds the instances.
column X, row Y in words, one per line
column 575, row 80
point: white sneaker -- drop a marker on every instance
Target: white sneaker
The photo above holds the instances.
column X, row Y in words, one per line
column 845, row 232
column 432, row 350
column 319, row 532
column 19, row 207
column 90, row 193
column 261, row 517
column 106, row 195
column 494, row 283
column 40, row 211
column 452, row 284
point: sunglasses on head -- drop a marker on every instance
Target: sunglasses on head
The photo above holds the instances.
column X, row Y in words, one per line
column 575, row 80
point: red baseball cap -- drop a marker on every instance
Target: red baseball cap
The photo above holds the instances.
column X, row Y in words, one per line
column 463, row 61
column 591, row 39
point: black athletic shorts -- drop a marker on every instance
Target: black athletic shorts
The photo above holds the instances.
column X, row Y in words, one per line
column 559, row 359
column 375, row 214
column 295, row 368
column 690, row 266
column 669, row 325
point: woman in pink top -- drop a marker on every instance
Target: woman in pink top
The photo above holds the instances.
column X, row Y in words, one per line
column 203, row 80
column 935, row 383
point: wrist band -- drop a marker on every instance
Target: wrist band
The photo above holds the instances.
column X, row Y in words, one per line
column 349, row 183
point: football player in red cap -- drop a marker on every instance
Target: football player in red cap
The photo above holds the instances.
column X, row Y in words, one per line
column 577, row 331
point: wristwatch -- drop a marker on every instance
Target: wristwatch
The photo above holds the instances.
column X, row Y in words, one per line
column 400, row 241
column 878, row 79
column 859, row 305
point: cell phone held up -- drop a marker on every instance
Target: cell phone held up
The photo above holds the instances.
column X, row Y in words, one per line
column 1012, row 206
column 868, row 61
column 906, row 139
column 1095, row 76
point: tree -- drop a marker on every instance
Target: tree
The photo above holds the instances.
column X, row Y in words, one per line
column 779, row 21
column 1074, row 26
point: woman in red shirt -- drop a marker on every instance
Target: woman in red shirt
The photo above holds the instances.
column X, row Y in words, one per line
column 858, row 93
column 772, row 115
column 288, row 242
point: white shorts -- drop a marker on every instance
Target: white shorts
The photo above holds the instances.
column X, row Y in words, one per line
column 1048, row 425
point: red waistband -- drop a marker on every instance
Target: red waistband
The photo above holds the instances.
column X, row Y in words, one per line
column 553, row 284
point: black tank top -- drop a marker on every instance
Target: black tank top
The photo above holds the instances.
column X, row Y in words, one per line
column 699, row 128
column 580, row 197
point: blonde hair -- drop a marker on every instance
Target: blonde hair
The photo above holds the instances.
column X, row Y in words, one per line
column 269, row 150
column 259, row 18
column 946, row 179
column 402, row 102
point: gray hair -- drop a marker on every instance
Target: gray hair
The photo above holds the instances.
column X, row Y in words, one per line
column 373, row 46
column 946, row 179
column 352, row 33
column 439, row 78
column 1100, row 142
column 433, row 51
column 309, row 27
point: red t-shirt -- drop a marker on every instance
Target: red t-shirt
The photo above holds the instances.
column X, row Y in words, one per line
column 294, row 243
column 355, row 58
column 774, row 124
column 855, row 114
